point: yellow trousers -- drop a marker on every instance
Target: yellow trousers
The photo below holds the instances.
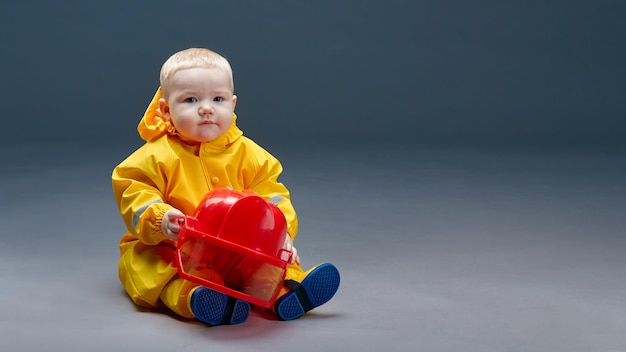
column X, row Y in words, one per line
column 150, row 277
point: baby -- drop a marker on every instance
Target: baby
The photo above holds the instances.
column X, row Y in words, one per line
column 193, row 146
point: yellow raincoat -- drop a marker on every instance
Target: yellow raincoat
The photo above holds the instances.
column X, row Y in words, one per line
column 166, row 172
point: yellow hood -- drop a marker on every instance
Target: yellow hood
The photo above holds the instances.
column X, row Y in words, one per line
column 153, row 126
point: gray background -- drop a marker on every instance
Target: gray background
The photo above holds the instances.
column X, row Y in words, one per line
column 461, row 162
column 436, row 72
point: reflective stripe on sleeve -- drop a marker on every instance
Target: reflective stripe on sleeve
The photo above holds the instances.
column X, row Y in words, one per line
column 276, row 199
column 140, row 211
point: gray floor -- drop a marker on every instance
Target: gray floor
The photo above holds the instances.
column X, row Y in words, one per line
column 439, row 250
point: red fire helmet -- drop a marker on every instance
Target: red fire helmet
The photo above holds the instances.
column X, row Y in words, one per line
column 234, row 244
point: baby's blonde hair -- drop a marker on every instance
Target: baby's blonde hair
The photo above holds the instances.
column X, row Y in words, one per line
column 192, row 58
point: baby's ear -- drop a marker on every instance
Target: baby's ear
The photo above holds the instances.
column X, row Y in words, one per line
column 234, row 101
column 164, row 109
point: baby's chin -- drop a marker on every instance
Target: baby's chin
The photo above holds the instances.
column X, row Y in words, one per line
column 198, row 138
column 203, row 134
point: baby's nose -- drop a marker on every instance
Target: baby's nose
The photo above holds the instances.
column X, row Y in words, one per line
column 206, row 108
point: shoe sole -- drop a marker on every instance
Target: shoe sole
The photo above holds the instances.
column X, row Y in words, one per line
column 211, row 306
column 321, row 284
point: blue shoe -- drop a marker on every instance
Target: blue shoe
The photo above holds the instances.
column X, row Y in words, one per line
column 317, row 288
column 215, row 308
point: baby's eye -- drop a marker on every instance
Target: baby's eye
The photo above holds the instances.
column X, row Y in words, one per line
column 191, row 100
column 218, row 99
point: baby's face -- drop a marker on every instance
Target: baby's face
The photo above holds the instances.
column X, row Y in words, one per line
column 200, row 103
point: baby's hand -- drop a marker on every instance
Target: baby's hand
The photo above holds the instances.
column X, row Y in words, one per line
column 289, row 246
column 170, row 225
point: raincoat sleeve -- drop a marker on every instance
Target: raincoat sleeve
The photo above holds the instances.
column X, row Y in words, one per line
column 266, row 184
column 137, row 184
